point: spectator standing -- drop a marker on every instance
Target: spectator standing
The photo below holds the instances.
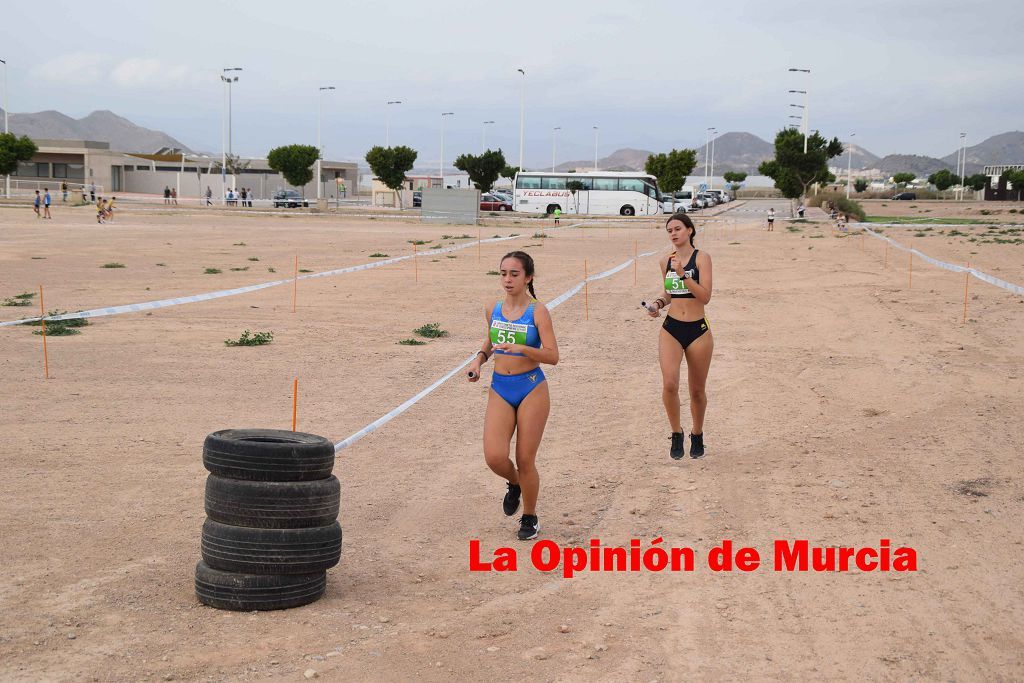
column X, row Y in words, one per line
column 174, row 195
column 800, row 210
column 167, row 194
column 92, row 192
column 209, row 196
column 46, row 203
column 35, row 205
column 64, row 191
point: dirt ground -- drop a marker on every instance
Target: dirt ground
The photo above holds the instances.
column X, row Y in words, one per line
column 845, row 408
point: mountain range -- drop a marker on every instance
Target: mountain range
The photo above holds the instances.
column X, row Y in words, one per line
column 734, row 151
column 101, row 126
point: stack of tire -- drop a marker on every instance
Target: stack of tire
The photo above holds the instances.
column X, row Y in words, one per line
column 271, row 530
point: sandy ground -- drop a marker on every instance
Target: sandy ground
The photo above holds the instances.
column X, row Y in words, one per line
column 845, row 409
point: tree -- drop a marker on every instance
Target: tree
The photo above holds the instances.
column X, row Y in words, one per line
column 14, row 150
column 484, row 169
column 944, row 179
column 672, row 168
column 1016, row 179
column 575, row 186
column 903, row 178
column 390, row 164
column 794, row 171
column 735, row 179
column 510, row 172
column 860, row 184
column 295, row 163
column 976, row 182
column 234, row 165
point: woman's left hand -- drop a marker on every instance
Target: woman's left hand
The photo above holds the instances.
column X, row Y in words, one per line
column 510, row 348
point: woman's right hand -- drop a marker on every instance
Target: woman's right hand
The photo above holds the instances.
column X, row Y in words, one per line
column 473, row 374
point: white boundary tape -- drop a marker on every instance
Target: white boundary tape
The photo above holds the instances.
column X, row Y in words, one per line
column 554, row 303
column 164, row 303
column 984, row 277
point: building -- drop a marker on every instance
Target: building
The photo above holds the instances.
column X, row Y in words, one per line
column 997, row 189
column 81, row 163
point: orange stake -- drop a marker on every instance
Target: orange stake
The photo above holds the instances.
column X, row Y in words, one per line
column 46, row 357
column 416, row 262
column 967, row 279
column 295, row 403
column 586, row 292
column 295, row 283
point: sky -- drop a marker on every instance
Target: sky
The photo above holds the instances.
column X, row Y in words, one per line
column 905, row 77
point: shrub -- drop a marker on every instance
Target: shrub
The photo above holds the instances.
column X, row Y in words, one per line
column 377, row 254
column 411, row 342
column 24, row 299
column 431, row 331
column 212, row 271
column 112, row 265
column 251, row 339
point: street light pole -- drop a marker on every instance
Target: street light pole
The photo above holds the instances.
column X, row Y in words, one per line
column 849, row 165
column 522, row 116
column 483, row 137
column 387, row 122
column 595, row 148
column 319, row 149
column 443, row 114
column 554, row 136
column 963, row 166
column 807, row 113
column 707, row 147
column 228, row 80
column 7, row 178
column 711, row 183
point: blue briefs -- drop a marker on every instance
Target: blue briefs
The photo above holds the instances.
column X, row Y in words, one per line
column 515, row 388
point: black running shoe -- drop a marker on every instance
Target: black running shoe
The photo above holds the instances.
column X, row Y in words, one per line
column 696, row 446
column 678, row 446
column 529, row 527
column 511, row 502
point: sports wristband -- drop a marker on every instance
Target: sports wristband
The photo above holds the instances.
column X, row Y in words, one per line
column 484, row 355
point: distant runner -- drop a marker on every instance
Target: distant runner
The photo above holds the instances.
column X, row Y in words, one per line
column 686, row 278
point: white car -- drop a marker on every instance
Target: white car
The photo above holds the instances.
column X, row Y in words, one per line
column 721, row 195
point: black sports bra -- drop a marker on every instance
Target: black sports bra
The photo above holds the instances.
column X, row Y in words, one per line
column 675, row 285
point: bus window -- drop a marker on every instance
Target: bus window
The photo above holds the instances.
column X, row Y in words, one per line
column 651, row 190
column 552, row 183
column 587, row 185
column 528, row 183
column 606, row 183
column 631, row 184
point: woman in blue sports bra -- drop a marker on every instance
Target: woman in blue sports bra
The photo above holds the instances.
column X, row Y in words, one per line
column 520, row 336
column 686, row 283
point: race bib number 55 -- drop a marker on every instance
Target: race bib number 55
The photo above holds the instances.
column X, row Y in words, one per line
column 508, row 333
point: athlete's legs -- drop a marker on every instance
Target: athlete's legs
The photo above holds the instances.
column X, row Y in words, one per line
column 698, row 363
column 531, row 419
column 670, row 355
column 499, row 424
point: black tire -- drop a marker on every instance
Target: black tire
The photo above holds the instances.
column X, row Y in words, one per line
column 273, row 504
column 268, row 455
column 627, row 210
column 246, row 592
column 551, row 208
column 271, row 551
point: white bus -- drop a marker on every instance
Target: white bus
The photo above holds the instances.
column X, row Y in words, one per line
column 606, row 193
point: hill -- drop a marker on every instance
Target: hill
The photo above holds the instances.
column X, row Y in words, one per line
column 921, row 166
column 626, row 159
column 103, row 126
column 735, row 151
column 1005, row 148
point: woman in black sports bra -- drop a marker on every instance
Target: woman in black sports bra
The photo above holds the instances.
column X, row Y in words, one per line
column 686, row 277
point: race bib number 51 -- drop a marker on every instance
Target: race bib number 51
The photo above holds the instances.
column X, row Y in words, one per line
column 674, row 283
column 508, row 333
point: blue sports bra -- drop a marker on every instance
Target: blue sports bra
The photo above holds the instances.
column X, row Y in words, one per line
column 520, row 331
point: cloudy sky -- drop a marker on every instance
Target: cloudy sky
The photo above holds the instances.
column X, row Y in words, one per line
column 906, row 77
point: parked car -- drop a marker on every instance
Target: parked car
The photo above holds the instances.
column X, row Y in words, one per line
column 906, row 195
column 289, row 199
column 721, row 196
column 490, row 202
column 504, row 194
column 417, row 199
column 681, row 201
